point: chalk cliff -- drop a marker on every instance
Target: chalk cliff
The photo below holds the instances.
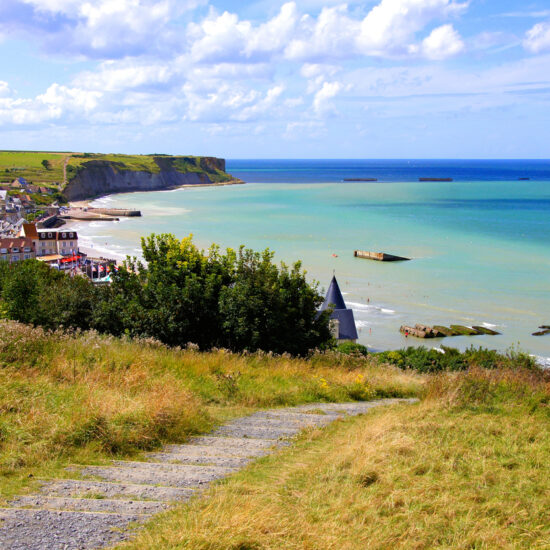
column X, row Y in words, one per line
column 95, row 178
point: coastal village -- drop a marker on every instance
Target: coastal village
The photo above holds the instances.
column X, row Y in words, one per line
column 31, row 227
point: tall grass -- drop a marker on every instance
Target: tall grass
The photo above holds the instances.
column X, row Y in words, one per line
column 84, row 397
column 467, row 468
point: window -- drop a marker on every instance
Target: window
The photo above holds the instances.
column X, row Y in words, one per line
column 63, row 235
column 27, row 256
column 27, row 249
column 15, row 250
column 50, row 235
column 4, row 250
column 71, row 235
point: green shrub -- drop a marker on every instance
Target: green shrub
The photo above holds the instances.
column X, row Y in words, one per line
column 350, row 348
column 427, row 360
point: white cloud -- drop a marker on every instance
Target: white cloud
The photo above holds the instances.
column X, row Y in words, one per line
column 275, row 34
column 5, row 90
column 442, row 43
column 99, row 28
column 313, row 70
column 388, row 29
column 391, row 25
column 321, row 101
column 59, row 98
column 218, row 37
column 114, row 76
column 332, row 34
column 53, row 104
column 228, row 101
column 537, row 39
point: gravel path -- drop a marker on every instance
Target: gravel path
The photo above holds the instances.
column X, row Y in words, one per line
column 109, row 506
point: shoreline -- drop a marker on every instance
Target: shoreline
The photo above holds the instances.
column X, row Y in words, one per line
column 85, row 203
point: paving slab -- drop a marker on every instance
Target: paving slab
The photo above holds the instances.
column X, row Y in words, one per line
column 256, row 432
column 227, row 442
column 112, row 506
column 176, row 476
column 211, row 450
column 54, row 530
column 193, row 459
column 84, row 488
column 282, row 422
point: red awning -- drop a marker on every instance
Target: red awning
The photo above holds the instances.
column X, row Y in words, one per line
column 71, row 259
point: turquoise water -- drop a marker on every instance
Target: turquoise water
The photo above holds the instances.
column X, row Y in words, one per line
column 480, row 249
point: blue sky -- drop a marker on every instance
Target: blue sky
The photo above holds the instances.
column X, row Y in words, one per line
column 268, row 79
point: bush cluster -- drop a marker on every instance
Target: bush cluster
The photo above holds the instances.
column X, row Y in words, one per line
column 239, row 300
column 432, row 360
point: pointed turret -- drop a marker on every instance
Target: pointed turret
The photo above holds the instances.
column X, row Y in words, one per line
column 334, row 296
column 341, row 317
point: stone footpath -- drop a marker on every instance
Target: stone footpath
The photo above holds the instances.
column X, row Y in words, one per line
column 110, row 502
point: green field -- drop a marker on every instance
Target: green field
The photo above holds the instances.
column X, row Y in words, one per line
column 15, row 164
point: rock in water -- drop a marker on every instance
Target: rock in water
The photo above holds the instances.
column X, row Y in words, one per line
column 446, row 331
column 461, row 330
column 485, row 330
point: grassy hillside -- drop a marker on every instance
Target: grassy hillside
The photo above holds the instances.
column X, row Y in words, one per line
column 15, row 164
column 88, row 398
column 466, row 468
column 28, row 164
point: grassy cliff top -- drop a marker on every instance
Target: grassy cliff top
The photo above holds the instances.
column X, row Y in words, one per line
column 56, row 168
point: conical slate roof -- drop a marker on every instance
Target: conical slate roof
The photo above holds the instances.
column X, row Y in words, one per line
column 334, row 296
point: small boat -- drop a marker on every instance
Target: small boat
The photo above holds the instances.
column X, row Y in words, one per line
column 360, row 179
column 435, row 179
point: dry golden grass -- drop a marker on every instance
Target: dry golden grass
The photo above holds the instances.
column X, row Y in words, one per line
column 466, row 468
column 88, row 398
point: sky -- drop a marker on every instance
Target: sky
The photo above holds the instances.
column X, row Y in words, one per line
column 272, row 79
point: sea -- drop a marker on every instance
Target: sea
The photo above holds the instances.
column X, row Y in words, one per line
column 479, row 245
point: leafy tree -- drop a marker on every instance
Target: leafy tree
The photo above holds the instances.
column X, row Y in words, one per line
column 180, row 294
column 46, row 164
column 272, row 308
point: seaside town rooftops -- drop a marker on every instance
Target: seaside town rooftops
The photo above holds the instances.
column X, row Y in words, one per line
column 29, row 230
column 66, row 235
column 57, row 235
column 15, row 245
column 19, row 183
column 50, row 258
column 47, row 235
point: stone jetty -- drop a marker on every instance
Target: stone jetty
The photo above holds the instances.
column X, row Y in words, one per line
column 440, row 331
column 99, row 214
column 108, row 503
